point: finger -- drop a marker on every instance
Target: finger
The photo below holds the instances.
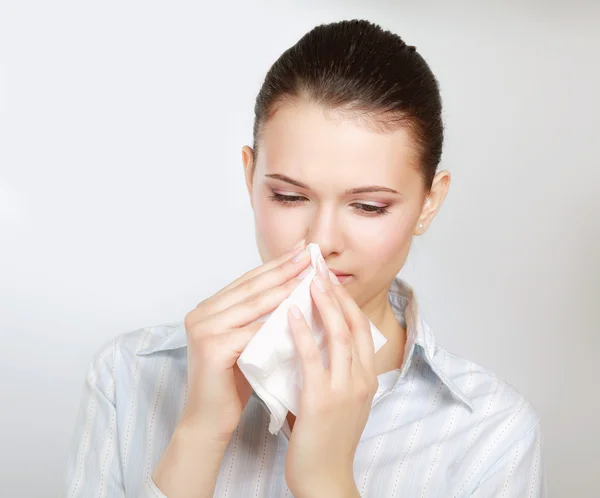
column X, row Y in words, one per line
column 339, row 339
column 356, row 368
column 358, row 324
column 247, row 311
column 238, row 339
column 279, row 277
column 244, row 388
column 364, row 381
column 221, row 349
column 265, row 267
column 313, row 371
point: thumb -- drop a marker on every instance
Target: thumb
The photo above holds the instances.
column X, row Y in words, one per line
column 238, row 339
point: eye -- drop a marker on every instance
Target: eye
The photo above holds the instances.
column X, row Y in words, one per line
column 287, row 199
column 364, row 209
column 369, row 208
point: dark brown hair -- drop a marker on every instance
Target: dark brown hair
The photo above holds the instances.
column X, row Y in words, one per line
column 357, row 68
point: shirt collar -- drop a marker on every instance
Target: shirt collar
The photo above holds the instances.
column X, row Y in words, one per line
column 419, row 337
column 164, row 338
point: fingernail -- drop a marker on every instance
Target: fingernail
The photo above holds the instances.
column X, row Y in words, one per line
column 295, row 311
column 303, row 274
column 320, row 284
column 299, row 256
column 333, row 278
column 321, row 268
column 300, row 244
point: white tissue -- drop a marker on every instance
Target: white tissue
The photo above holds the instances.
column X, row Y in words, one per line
column 270, row 363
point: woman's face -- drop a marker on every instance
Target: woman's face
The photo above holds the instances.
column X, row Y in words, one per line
column 307, row 183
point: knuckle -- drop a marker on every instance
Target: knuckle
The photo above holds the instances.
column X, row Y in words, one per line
column 364, row 396
column 290, row 269
column 365, row 389
column 190, row 319
column 287, row 266
column 312, row 356
column 198, row 334
column 246, row 276
column 363, row 323
column 362, row 393
column 250, row 287
column 201, row 310
column 208, row 308
column 258, row 302
column 342, row 336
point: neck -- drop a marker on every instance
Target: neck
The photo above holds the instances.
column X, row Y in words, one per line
column 391, row 355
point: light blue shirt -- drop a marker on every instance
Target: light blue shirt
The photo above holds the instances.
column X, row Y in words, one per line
column 441, row 426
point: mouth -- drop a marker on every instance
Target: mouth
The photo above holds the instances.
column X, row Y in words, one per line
column 341, row 276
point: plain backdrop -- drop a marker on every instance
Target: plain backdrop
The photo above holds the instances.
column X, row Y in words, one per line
column 122, row 199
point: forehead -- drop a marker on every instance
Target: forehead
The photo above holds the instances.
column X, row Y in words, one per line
column 304, row 139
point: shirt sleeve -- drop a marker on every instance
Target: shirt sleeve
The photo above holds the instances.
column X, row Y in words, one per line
column 93, row 465
column 519, row 472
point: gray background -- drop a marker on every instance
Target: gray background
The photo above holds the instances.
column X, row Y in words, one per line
column 122, row 200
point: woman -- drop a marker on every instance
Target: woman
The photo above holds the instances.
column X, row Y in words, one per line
column 347, row 140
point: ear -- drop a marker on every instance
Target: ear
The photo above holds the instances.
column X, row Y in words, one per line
column 248, row 162
column 433, row 201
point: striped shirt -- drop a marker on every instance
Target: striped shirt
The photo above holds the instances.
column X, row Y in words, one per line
column 440, row 426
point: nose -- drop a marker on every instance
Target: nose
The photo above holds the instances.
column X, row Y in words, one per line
column 326, row 230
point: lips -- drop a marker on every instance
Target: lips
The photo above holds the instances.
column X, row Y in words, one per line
column 339, row 273
column 343, row 278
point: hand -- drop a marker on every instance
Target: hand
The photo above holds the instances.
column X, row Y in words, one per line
column 218, row 330
column 335, row 402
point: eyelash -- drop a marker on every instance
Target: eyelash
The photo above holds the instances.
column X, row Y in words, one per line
column 289, row 200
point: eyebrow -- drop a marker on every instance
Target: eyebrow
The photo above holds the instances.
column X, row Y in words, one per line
column 358, row 190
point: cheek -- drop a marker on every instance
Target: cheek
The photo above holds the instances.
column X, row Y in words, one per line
column 385, row 245
column 276, row 230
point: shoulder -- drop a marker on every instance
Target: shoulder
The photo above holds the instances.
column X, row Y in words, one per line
column 500, row 412
column 127, row 349
column 490, row 395
column 500, row 441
